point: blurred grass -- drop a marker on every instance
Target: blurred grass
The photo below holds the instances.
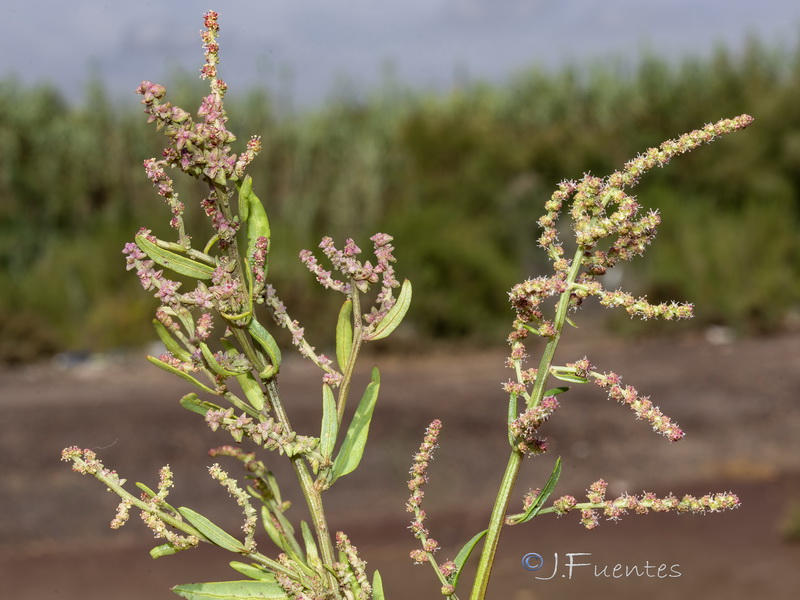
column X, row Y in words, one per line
column 458, row 179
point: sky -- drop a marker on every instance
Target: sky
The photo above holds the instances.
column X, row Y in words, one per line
column 305, row 48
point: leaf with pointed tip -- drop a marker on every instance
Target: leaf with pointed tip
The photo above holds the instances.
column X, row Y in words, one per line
column 164, row 550
column 538, row 503
column 463, row 554
column 174, row 262
column 252, row 571
column 170, row 369
column 556, row 391
column 330, row 422
column 231, row 590
column 211, row 532
column 344, row 334
column 213, row 363
column 267, row 342
column 312, row 554
column 395, row 315
column 170, row 343
column 152, row 494
column 566, row 376
column 193, row 403
column 356, row 437
column 252, row 390
column 377, row 586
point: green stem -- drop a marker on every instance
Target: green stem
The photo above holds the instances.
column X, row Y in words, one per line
column 310, row 493
column 497, row 518
column 358, row 338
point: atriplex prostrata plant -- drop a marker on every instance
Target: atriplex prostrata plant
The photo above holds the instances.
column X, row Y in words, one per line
column 230, row 278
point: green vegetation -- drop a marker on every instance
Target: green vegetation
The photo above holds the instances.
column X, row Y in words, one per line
column 458, row 180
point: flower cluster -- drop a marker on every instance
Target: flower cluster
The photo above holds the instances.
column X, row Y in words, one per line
column 155, row 512
column 353, row 571
column 641, row 406
column 419, row 477
column 601, row 210
column 242, row 499
column 357, row 273
column 201, row 149
column 524, row 427
column 266, row 432
column 640, row 505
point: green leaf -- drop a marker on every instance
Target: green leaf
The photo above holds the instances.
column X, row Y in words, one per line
column 254, row 215
column 231, row 590
column 267, row 342
column 272, row 531
column 464, row 553
column 252, row 390
column 330, row 422
column 164, row 550
column 245, row 188
column 377, row 586
column 556, row 391
column 395, row 315
column 170, row 343
column 152, row 494
column 210, row 531
column 192, row 402
column 566, row 376
column 344, row 334
column 213, row 363
column 252, row 571
column 312, row 554
column 170, row 369
column 356, row 438
column 538, row 504
column 174, row 262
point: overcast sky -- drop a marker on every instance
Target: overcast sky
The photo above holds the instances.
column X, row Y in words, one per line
column 429, row 43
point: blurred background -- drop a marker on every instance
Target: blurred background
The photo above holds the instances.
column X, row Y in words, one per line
column 446, row 123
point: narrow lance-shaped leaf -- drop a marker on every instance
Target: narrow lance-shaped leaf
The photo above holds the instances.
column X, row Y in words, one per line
column 312, row 554
column 170, row 369
column 252, row 390
column 167, row 549
column 231, row 590
column 252, row 571
column 192, row 402
column 255, row 218
column 250, row 385
column 152, row 494
column 395, row 315
column 330, row 422
column 213, row 533
column 564, row 375
column 463, row 554
column 267, row 343
column 377, row 587
column 213, row 363
column 344, row 334
column 174, row 262
column 356, row 437
column 277, row 538
column 170, row 343
column 538, row 503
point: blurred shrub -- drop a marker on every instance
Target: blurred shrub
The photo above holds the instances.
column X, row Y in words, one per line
column 458, row 179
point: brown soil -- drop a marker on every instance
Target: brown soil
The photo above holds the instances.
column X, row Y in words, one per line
column 738, row 403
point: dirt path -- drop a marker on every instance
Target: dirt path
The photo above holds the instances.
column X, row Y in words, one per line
column 738, row 403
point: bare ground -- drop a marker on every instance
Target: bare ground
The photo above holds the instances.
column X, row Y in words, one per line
column 738, row 402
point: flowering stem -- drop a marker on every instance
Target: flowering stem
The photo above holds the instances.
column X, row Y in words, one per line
column 114, row 484
column 311, row 494
column 497, row 518
column 358, row 338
